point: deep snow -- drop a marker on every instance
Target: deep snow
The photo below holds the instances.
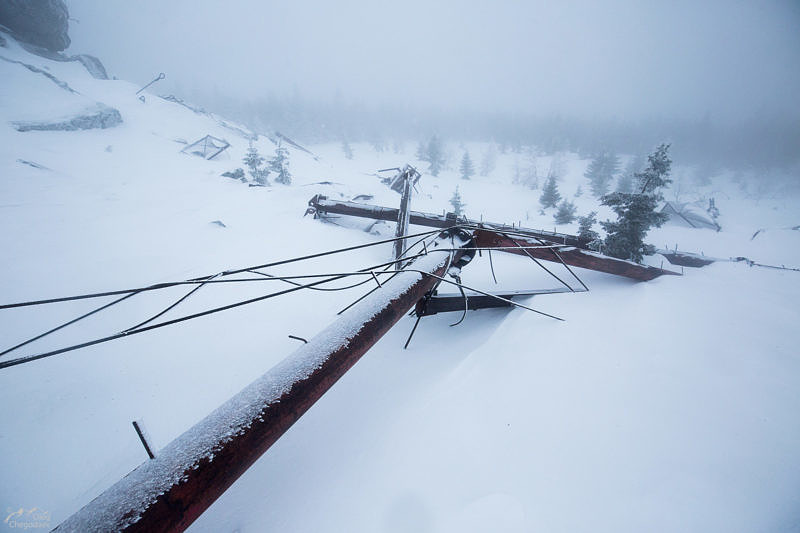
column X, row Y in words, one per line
column 660, row 406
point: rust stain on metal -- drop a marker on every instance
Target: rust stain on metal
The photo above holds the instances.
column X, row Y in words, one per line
column 571, row 256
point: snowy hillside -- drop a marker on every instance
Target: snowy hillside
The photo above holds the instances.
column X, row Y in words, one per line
column 665, row 406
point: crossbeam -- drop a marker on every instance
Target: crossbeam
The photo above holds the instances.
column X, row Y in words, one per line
column 445, row 303
column 569, row 255
column 320, row 204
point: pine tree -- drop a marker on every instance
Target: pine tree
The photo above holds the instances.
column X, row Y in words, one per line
column 636, row 212
column 489, row 161
column 600, row 172
column 531, row 175
column 626, row 179
column 585, row 231
column 347, row 149
column 550, row 195
column 280, row 165
column 656, row 174
column 565, row 213
column 422, row 151
column 578, row 192
column 517, row 178
column 435, row 156
column 253, row 160
column 467, row 169
column 458, row 205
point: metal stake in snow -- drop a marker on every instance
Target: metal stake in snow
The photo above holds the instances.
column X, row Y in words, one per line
column 169, row 492
column 160, row 77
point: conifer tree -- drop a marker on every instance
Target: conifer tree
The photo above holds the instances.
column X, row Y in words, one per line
column 422, row 151
column 467, row 169
column 458, row 205
column 600, row 172
column 347, row 149
column 636, row 212
column 625, row 183
column 253, row 161
column 489, row 161
column 280, row 165
column 585, row 231
column 550, row 195
column 565, row 213
column 531, row 175
column 435, row 156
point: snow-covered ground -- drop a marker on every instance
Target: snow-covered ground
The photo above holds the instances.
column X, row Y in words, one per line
column 662, row 406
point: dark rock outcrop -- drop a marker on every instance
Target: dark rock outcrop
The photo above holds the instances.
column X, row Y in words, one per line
column 43, row 23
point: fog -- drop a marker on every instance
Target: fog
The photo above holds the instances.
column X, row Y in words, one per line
column 460, row 65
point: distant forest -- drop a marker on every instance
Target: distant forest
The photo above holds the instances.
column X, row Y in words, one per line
column 757, row 144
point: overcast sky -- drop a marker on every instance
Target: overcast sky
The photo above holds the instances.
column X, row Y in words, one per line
column 624, row 59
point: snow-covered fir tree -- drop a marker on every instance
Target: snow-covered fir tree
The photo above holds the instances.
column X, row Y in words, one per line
column 435, row 155
column 636, row 212
column 489, row 160
column 422, row 151
column 600, row 172
column 347, row 149
column 525, row 170
column 565, row 213
column 280, row 165
column 253, row 161
column 578, row 192
column 585, row 231
column 550, row 195
column 458, row 205
column 377, row 143
column 657, row 173
column 466, row 168
column 626, row 179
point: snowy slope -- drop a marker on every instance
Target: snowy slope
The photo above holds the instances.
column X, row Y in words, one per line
column 663, row 406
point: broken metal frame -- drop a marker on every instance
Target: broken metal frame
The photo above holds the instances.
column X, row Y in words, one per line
column 204, row 142
column 172, row 490
column 492, row 235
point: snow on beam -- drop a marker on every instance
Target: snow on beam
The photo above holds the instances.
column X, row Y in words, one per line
column 169, row 492
column 570, row 255
column 322, row 204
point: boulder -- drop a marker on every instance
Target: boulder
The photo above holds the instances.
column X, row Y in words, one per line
column 42, row 23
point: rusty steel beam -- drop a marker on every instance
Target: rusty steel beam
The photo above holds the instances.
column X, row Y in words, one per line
column 169, row 492
column 571, row 256
column 321, row 204
column 445, row 303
